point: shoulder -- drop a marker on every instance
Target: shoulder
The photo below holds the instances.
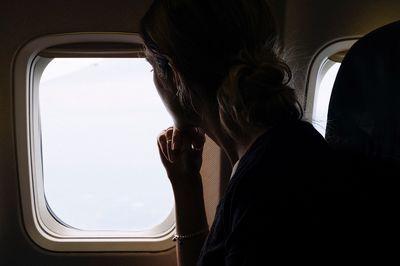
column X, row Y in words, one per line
column 295, row 143
column 298, row 133
column 287, row 164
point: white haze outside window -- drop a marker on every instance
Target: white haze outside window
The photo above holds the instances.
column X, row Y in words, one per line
column 322, row 100
column 100, row 118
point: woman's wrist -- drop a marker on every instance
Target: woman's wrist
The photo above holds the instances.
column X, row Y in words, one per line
column 189, row 207
column 183, row 184
column 180, row 238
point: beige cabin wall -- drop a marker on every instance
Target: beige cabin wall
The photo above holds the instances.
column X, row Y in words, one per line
column 310, row 25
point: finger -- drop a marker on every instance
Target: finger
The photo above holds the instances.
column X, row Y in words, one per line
column 198, row 139
column 163, row 157
column 176, row 144
column 168, row 132
column 176, row 139
column 169, row 150
column 168, row 136
column 162, row 144
column 191, row 138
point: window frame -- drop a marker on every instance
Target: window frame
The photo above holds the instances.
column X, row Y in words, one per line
column 319, row 67
column 40, row 224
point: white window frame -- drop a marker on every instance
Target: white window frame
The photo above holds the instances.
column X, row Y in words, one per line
column 319, row 67
column 39, row 223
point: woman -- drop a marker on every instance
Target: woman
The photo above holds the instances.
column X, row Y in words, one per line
column 217, row 69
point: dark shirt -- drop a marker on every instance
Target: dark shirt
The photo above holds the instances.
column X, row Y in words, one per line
column 278, row 204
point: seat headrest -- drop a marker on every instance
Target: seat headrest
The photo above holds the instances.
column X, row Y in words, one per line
column 364, row 109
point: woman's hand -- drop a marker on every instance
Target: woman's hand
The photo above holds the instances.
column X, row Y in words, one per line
column 181, row 154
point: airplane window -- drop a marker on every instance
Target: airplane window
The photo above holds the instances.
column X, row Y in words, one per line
column 323, row 95
column 99, row 119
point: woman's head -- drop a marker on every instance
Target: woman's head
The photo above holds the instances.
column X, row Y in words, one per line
column 221, row 52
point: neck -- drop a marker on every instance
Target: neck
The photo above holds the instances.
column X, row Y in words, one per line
column 245, row 145
column 227, row 144
column 234, row 148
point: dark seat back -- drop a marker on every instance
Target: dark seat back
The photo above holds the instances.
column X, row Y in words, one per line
column 364, row 110
column 364, row 130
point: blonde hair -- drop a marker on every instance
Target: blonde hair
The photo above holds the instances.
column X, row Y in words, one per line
column 229, row 47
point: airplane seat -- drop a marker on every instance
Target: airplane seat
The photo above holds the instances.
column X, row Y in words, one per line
column 363, row 129
column 364, row 110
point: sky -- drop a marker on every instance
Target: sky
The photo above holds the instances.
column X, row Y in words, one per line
column 322, row 97
column 99, row 123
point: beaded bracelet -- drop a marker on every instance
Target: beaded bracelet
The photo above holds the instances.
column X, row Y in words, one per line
column 180, row 238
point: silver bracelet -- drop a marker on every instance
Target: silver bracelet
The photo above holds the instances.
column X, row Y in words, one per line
column 182, row 237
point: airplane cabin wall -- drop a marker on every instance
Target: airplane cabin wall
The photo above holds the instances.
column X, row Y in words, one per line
column 312, row 24
column 20, row 22
column 307, row 26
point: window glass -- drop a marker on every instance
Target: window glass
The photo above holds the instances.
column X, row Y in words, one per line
column 100, row 118
column 323, row 95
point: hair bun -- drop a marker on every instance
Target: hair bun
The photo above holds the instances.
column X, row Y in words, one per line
column 263, row 67
column 256, row 91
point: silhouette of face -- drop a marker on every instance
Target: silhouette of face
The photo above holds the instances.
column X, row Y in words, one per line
column 167, row 89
